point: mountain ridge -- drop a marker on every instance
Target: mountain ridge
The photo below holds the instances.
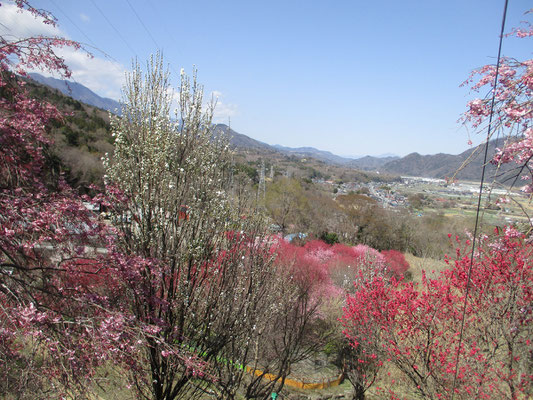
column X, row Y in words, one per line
column 467, row 165
column 78, row 92
column 307, row 151
column 439, row 165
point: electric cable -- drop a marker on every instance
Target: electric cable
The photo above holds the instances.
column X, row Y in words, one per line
column 479, row 200
column 115, row 29
column 74, row 24
column 143, row 25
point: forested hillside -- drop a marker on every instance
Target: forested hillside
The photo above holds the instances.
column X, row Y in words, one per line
column 467, row 165
column 80, row 138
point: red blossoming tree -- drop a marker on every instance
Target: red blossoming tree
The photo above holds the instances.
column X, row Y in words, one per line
column 415, row 328
column 396, row 262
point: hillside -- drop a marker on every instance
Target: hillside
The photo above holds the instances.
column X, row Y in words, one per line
column 370, row 163
column 430, row 166
column 467, row 165
column 80, row 140
column 321, row 155
column 240, row 141
column 78, row 92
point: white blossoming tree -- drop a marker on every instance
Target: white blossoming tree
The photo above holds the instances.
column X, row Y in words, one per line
column 196, row 275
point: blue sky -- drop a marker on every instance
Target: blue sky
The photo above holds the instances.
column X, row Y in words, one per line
column 350, row 77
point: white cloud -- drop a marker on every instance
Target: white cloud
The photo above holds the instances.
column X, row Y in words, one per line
column 15, row 24
column 223, row 111
column 101, row 75
column 84, row 18
column 104, row 77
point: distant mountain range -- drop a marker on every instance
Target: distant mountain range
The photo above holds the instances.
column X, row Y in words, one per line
column 322, row 155
column 467, row 165
column 79, row 92
column 238, row 140
column 370, row 163
column 241, row 141
column 432, row 166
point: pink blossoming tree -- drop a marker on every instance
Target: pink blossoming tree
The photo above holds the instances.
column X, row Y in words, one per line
column 513, row 111
column 57, row 322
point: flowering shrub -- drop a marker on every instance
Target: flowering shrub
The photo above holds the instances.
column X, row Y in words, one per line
column 415, row 328
column 329, row 270
column 512, row 108
column 396, row 262
column 306, row 265
column 53, row 308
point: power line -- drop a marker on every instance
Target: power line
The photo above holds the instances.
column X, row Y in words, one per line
column 73, row 23
column 93, row 44
column 84, row 45
column 168, row 32
column 165, row 27
column 114, row 28
column 142, row 23
column 479, row 201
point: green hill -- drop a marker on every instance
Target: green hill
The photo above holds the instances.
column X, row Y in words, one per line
column 79, row 140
